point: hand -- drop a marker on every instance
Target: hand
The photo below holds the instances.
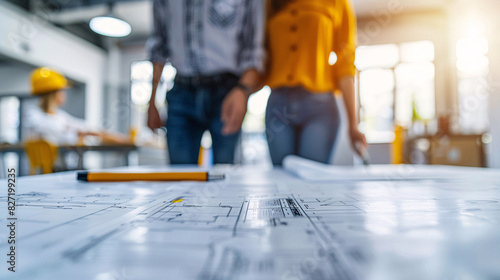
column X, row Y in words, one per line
column 357, row 137
column 115, row 138
column 234, row 108
column 82, row 134
column 154, row 120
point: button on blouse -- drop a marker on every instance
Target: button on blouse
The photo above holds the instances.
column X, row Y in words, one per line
column 300, row 38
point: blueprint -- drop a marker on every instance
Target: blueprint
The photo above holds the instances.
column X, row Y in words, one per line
column 256, row 224
column 318, row 172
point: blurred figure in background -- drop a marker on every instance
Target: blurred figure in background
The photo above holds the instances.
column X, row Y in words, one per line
column 311, row 46
column 49, row 122
column 217, row 48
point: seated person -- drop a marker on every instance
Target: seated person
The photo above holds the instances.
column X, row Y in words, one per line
column 49, row 122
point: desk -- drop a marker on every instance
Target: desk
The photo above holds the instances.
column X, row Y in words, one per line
column 452, row 149
column 257, row 224
column 79, row 149
column 121, row 148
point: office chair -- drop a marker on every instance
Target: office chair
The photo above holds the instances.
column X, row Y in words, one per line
column 41, row 155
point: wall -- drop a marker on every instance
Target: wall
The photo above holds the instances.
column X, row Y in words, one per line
column 14, row 78
column 31, row 40
column 394, row 25
column 494, row 96
column 398, row 27
column 130, row 53
column 444, row 29
column 118, row 115
column 133, row 51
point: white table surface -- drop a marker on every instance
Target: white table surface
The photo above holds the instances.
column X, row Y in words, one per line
column 257, row 224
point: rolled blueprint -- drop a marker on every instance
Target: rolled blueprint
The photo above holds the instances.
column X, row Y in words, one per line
column 303, row 168
column 314, row 171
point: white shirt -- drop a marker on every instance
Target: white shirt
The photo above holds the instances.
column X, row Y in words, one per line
column 60, row 128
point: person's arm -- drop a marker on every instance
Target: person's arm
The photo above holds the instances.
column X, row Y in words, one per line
column 345, row 48
column 346, row 86
column 234, row 105
column 157, row 46
column 154, row 120
column 251, row 58
column 84, row 129
column 106, row 137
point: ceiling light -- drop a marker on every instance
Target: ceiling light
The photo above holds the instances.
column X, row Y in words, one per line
column 109, row 25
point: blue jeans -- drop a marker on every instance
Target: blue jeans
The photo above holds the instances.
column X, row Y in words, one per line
column 301, row 123
column 191, row 111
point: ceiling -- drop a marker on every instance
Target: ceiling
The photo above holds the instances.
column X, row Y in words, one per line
column 74, row 15
column 366, row 8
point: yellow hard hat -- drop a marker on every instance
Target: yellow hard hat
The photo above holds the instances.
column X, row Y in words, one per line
column 45, row 80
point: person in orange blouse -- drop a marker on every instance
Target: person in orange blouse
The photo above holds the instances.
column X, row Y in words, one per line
column 311, row 46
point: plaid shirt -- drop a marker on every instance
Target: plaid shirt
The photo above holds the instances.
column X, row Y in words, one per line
column 206, row 37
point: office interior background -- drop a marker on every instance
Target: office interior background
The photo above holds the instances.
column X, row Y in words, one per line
column 427, row 83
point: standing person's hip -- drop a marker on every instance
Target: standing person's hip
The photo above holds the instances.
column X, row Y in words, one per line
column 209, row 81
column 302, row 103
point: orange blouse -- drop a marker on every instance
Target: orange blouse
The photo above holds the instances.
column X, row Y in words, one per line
column 300, row 39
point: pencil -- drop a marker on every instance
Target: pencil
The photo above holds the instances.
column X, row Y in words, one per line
column 154, row 176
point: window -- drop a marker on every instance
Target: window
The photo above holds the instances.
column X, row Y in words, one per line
column 141, row 75
column 253, row 139
column 9, row 119
column 472, row 67
column 395, row 85
column 9, row 128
